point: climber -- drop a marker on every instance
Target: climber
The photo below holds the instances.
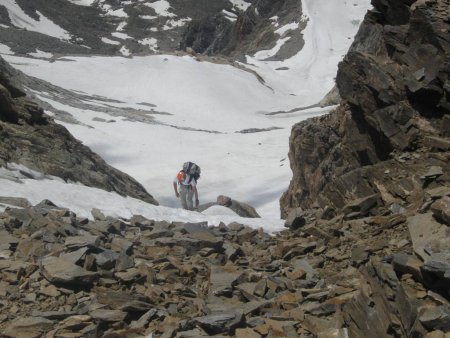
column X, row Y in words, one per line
column 187, row 179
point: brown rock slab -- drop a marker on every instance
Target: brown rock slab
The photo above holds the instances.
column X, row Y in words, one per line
column 29, row 327
column 108, row 315
column 441, row 210
column 82, row 241
column 295, row 219
column 424, row 229
column 221, row 323
column 404, row 263
column 247, row 333
column 57, row 270
column 437, row 143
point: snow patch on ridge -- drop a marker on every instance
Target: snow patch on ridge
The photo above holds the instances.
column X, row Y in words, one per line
column 161, row 8
column 152, row 43
column 241, row 4
column 45, row 26
column 83, row 2
column 109, row 41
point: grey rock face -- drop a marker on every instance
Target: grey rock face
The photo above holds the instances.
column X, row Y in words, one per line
column 251, row 31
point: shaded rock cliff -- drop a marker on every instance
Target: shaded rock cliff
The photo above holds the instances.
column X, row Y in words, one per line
column 30, row 138
column 391, row 132
column 248, row 32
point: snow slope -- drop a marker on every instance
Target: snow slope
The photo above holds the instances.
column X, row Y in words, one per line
column 198, row 108
column 18, row 181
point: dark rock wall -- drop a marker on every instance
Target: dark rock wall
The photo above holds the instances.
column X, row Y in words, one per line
column 29, row 137
column 252, row 31
column 394, row 82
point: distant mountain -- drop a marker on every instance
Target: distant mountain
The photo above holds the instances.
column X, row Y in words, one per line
column 111, row 27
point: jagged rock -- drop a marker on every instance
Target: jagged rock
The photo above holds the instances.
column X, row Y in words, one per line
column 105, row 315
column 31, row 327
column 106, row 259
column 247, row 333
column 296, row 219
column 144, row 319
column 437, row 334
column 124, row 262
column 445, row 126
column 53, row 315
column 86, row 240
column 436, row 271
column 404, row 263
column 58, row 270
column 432, row 173
column 423, row 230
column 441, row 210
column 360, row 255
column 390, row 88
column 122, row 301
column 438, row 143
column 362, row 206
column 436, row 318
column 7, row 108
column 439, row 192
column 120, row 244
column 220, row 323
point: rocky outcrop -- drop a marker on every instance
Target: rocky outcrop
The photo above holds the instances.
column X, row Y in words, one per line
column 31, row 138
column 390, row 129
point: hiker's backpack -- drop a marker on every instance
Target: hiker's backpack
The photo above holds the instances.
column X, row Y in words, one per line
column 192, row 169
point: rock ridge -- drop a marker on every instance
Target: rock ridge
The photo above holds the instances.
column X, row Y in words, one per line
column 394, row 83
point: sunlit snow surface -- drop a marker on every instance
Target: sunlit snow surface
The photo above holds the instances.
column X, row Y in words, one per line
column 18, row 181
column 206, row 104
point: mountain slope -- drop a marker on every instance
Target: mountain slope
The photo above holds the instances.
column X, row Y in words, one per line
column 33, row 139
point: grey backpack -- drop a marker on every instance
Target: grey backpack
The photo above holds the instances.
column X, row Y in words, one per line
column 192, row 169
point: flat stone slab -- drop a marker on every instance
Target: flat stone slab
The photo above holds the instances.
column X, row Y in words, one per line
column 6, row 238
column 29, row 327
column 59, row 270
column 108, row 315
column 424, row 229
